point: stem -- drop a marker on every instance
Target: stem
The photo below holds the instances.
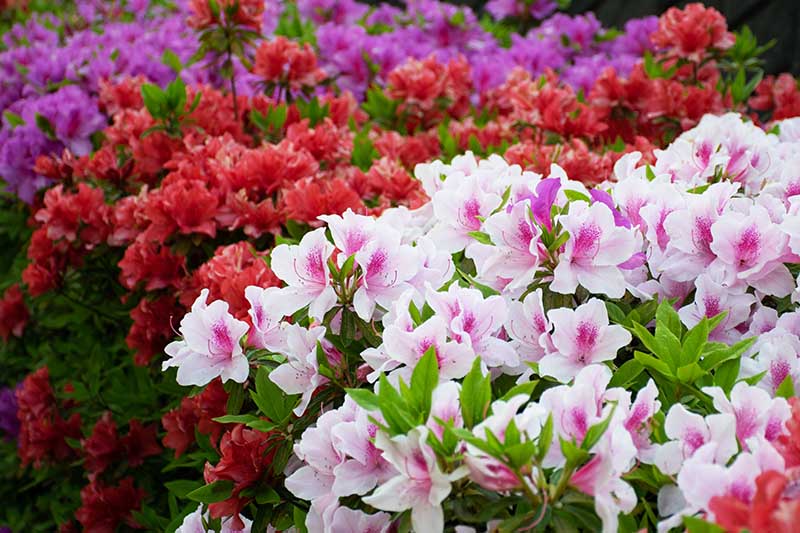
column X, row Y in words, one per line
column 556, row 493
column 229, row 52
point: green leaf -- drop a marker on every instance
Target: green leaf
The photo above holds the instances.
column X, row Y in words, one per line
column 217, row 491
column 666, row 316
column 694, row 343
column 786, row 388
column 235, row 419
column 476, row 395
column 424, row 380
column 522, row 388
column 365, row 398
column 481, row 237
column 648, row 361
column 626, row 374
column 182, row 487
column 574, row 454
column 726, row 375
column 575, row 196
column 13, row 119
column 394, row 408
column 595, row 432
column 171, row 59
column 545, row 438
column 698, row 525
column 45, row 126
column 690, row 373
column 270, row 399
column 154, row 100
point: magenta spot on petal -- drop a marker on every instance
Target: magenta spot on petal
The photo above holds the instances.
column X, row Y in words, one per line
column 793, row 189
column 579, row 422
column 748, row 246
column 637, row 416
column 314, row 267
column 539, row 323
column 692, row 440
column 470, row 212
column 701, row 233
column 774, row 429
column 221, row 338
column 778, row 370
column 746, row 423
column 377, row 262
column 742, row 491
column 587, row 241
column 711, row 303
column 586, row 338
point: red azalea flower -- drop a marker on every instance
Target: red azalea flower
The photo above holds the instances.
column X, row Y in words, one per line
column 281, row 61
column 103, row 508
column 779, row 95
column 198, row 411
column 152, row 264
column 42, row 429
column 152, row 327
column 246, row 455
column 140, row 442
column 14, row 314
column 690, row 32
column 103, row 447
column 311, row 198
column 775, row 506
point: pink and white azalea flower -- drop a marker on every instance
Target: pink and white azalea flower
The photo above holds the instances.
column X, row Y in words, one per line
column 304, row 269
column 266, row 314
column 445, row 407
column 408, row 347
column 457, row 207
column 713, row 298
column 350, row 232
column 690, row 431
column 364, row 468
column 420, row 486
column 595, row 249
column 210, row 346
column 473, row 321
column 581, row 337
column 196, row 521
column 757, row 414
column 300, row 373
column 529, row 329
column 514, row 252
column 750, row 248
column 346, row 520
column 387, row 266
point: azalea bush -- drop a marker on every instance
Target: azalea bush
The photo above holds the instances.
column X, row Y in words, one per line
column 268, row 171
column 522, row 352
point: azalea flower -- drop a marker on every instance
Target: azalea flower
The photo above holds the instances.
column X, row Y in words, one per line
column 420, row 486
column 581, row 337
column 304, row 269
column 689, row 432
column 595, row 249
column 210, row 346
column 300, row 373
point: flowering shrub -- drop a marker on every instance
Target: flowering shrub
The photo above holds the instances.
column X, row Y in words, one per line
column 356, row 322
column 523, row 352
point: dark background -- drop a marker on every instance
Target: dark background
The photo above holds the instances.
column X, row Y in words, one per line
column 769, row 19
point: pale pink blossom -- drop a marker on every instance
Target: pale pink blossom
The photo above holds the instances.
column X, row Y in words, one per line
column 529, row 329
column 408, row 347
column 304, row 269
column 581, row 337
column 757, row 414
column 300, row 373
column 364, row 468
column 750, row 249
column 445, row 408
column 347, row 520
column 690, row 431
column 210, row 346
column 595, row 249
column 713, row 298
column 266, row 314
column 474, row 321
column 350, row 232
column 194, row 523
column 387, row 266
column 420, row 486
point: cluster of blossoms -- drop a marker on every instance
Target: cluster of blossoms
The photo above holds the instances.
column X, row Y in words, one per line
column 467, row 346
column 52, row 82
column 557, row 328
